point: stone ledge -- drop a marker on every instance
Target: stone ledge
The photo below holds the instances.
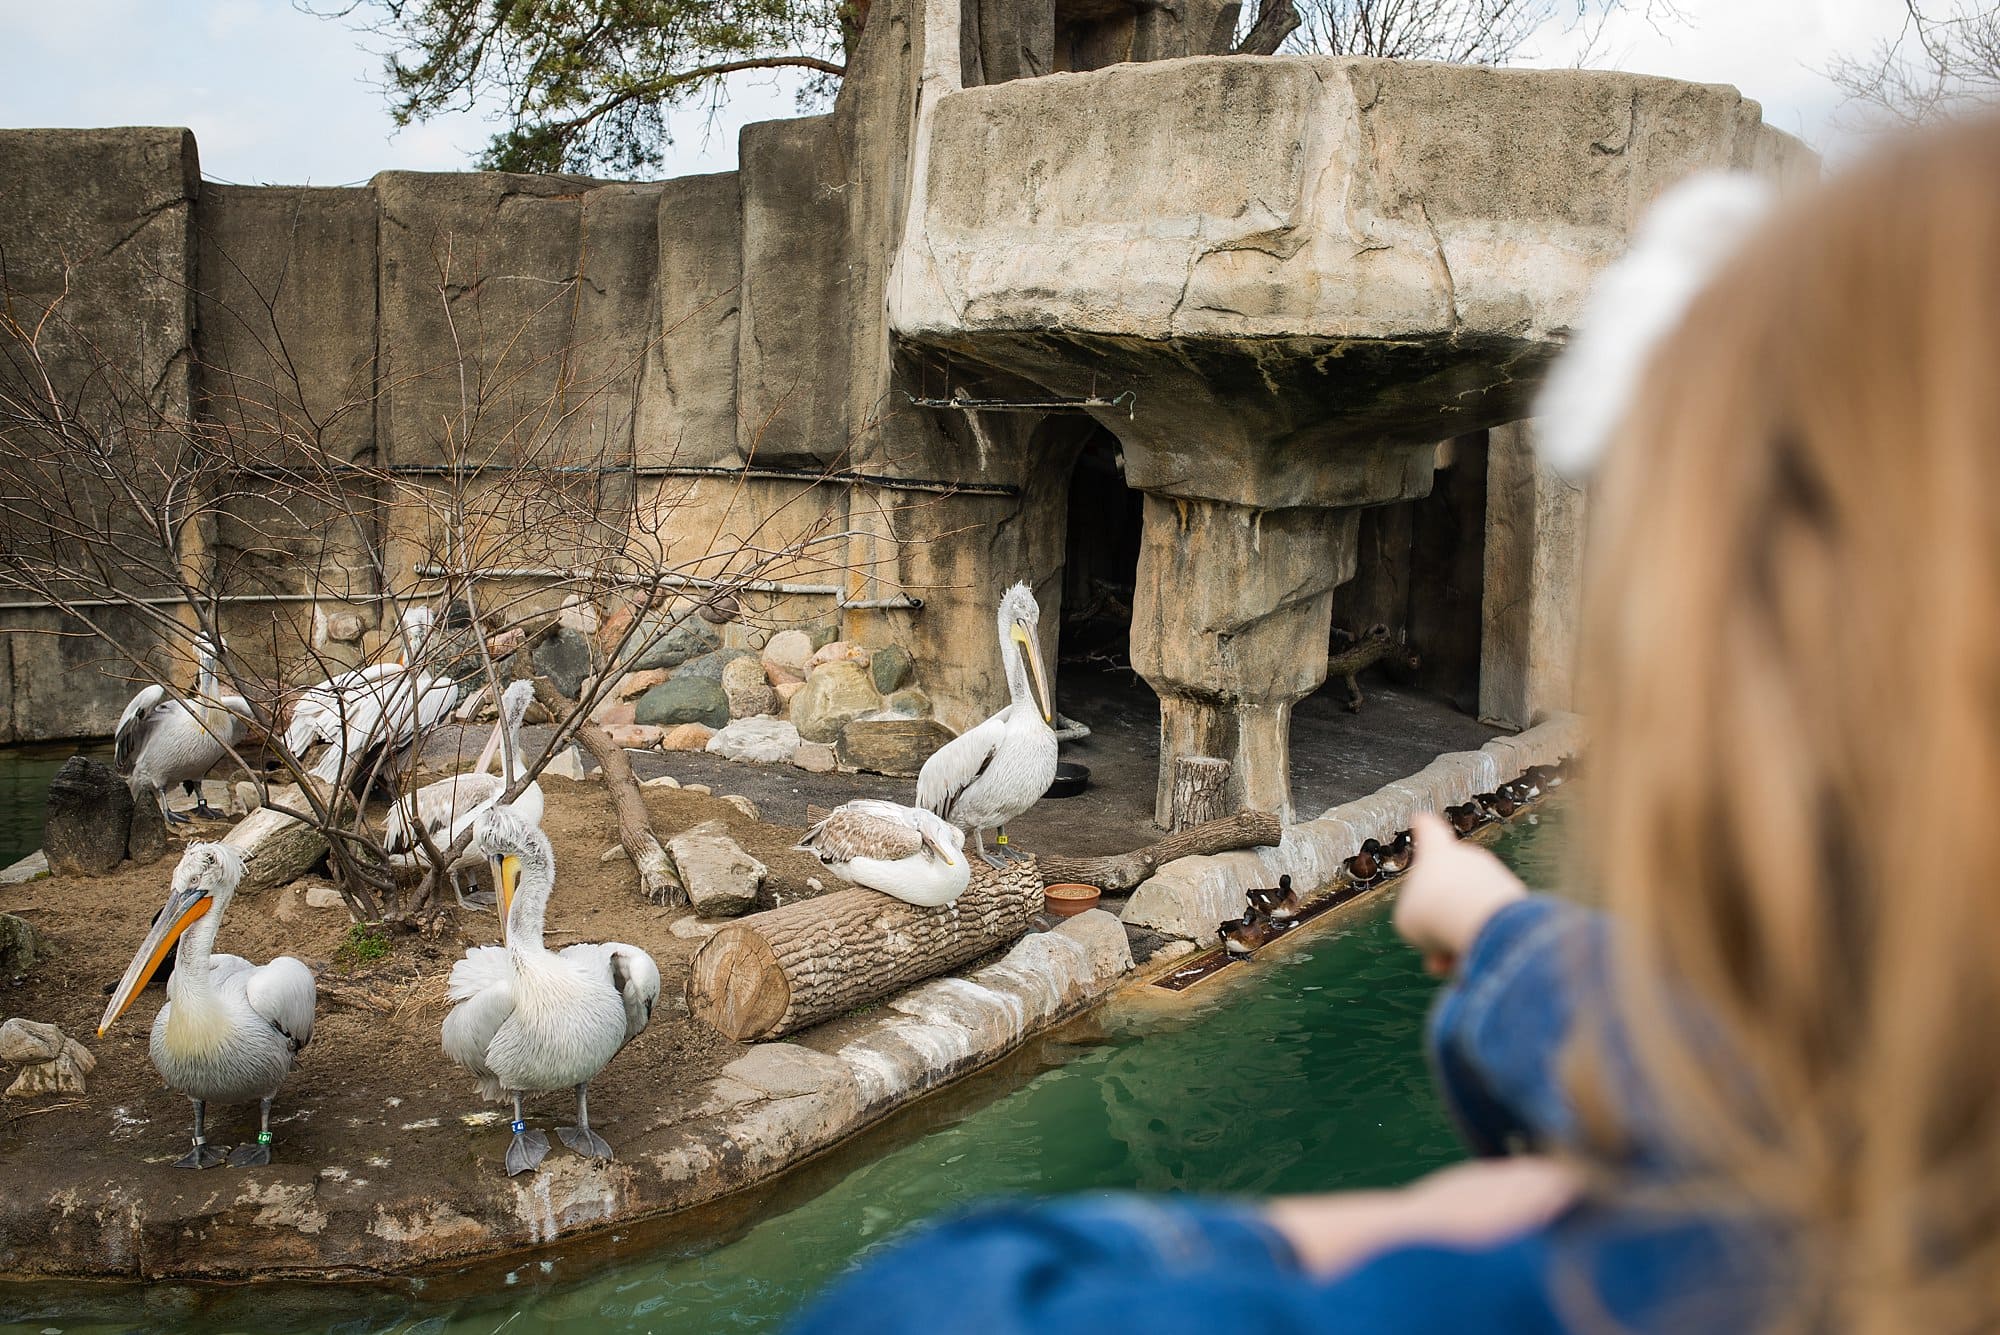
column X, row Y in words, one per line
column 766, row 1111
column 1187, row 898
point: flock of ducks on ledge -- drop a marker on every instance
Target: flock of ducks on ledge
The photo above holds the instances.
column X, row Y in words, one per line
column 1272, row 911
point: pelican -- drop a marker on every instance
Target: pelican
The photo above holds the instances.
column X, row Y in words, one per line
column 999, row 769
column 530, row 1020
column 162, row 739
column 230, row 1030
column 906, row 852
column 446, row 809
column 372, row 713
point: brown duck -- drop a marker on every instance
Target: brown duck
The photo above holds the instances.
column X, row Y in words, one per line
column 1278, row 901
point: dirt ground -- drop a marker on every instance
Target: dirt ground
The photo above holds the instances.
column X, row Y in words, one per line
column 373, row 1093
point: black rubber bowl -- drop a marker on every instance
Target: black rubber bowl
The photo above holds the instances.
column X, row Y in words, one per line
column 1070, row 780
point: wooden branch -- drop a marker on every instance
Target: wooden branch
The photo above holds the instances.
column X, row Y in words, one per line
column 1199, row 784
column 776, row 972
column 635, row 827
column 277, row 849
column 1118, row 872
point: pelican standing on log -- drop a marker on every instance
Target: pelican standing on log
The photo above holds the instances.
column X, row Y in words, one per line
column 905, row 852
column 446, row 809
column 371, row 714
column 162, row 740
column 999, row 769
column 230, row 1030
column 530, row 1020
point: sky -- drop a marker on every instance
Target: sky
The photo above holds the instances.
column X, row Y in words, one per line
column 277, row 95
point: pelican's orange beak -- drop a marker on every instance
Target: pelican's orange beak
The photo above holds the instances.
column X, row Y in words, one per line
column 167, row 929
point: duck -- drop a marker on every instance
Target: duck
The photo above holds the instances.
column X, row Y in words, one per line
column 996, row 771
column 1280, row 901
column 907, row 853
column 446, row 809
column 230, row 1030
column 1498, row 804
column 529, row 1020
column 1550, row 777
column 1465, row 817
column 1251, row 932
column 1365, row 866
column 1395, row 859
column 162, row 739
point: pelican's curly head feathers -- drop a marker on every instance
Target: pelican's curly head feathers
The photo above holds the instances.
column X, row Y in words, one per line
column 1018, row 605
column 215, row 869
column 498, row 832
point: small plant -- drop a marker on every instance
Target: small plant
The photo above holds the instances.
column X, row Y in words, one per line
column 363, row 944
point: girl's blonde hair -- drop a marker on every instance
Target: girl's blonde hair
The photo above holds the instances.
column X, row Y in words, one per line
column 1791, row 663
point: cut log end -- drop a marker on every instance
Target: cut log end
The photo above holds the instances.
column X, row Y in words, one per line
column 738, row 986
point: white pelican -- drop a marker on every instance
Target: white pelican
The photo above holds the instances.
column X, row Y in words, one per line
column 905, row 852
column 230, row 1030
column 530, row 1020
column 446, row 809
column 373, row 713
column 162, row 740
column 999, row 769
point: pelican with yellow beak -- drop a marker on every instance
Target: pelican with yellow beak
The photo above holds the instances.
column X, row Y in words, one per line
column 996, row 771
column 231, row 1030
column 530, row 1020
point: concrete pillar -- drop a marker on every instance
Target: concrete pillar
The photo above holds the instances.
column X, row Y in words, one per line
column 1534, row 551
column 1229, row 628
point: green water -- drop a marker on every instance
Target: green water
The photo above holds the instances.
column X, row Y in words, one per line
column 1299, row 1071
column 25, row 772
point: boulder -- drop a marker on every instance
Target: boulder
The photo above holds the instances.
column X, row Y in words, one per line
column 721, row 879
column 563, row 656
column 322, row 895
column 669, row 648
column 743, row 804
column 814, row 758
column 709, row 666
column 759, row 741
column 692, row 928
column 684, row 699
column 146, row 839
column 634, row 684
column 785, row 690
column 668, row 780
column 249, row 796
column 890, row 666
column 686, row 737
column 908, row 703
column 344, row 628
column 785, row 656
column 89, row 819
column 568, row 765
column 823, row 633
column 634, row 736
column 51, row 1062
column 835, row 695
column 895, row 747
column 579, row 615
column 506, row 644
column 610, row 713
column 19, row 946
column 749, row 694
column 839, row 651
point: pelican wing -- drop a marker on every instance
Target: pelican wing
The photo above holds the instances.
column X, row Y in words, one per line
column 956, row 765
column 439, row 809
column 135, row 725
column 864, row 829
column 283, row 993
column 633, row 974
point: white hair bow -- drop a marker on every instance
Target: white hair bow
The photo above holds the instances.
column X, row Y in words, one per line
column 1690, row 231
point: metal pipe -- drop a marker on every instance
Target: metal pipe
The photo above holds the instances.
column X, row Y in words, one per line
column 472, row 471
column 900, row 600
column 176, row 600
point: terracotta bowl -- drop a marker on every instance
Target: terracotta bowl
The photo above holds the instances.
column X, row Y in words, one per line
column 1069, row 899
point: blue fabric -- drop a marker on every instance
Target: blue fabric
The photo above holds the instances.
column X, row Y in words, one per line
column 1163, row 1265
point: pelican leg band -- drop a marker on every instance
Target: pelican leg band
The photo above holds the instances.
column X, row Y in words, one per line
column 519, row 1127
column 1000, row 838
column 263, row 1137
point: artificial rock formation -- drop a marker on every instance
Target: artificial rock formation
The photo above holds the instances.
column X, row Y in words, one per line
column 88, row 820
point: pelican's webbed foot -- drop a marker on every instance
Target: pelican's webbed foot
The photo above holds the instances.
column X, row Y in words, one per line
column 173, row 817
column 249, row 1156
column 203, row 1155
column 526, row 1151
column 584, row 1141
column 580, row 1137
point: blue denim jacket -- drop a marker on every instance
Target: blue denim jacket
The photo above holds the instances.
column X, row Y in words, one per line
column 1163, row 1265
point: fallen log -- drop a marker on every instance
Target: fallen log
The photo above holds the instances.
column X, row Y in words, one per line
column 276, row 848
column 1199, row 782
column 776, row 972
column 635, row 827
column 1115, row 873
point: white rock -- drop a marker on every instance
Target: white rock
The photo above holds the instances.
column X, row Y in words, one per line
column 664, row 781
column 721, row 878
column 758, row 741
column 691, row 928
column 568, row 765
column 324, row 897
column 742, row 804
column 615, row 853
